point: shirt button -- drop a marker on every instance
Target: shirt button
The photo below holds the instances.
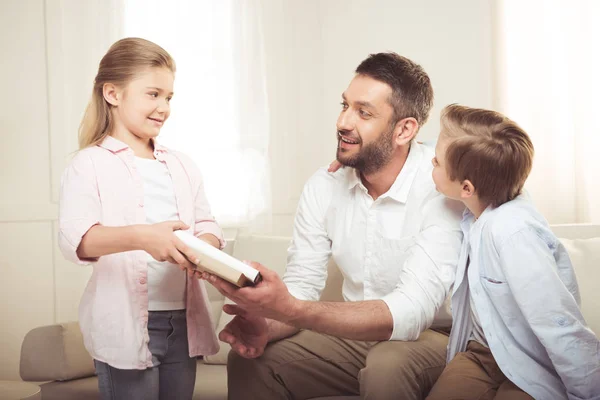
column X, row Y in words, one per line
column 143, row 281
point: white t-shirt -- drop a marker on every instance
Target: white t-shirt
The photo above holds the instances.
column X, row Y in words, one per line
column 166, row 281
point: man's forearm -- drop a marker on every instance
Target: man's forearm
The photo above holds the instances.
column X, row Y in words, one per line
column 279, row 330
column 361, row 320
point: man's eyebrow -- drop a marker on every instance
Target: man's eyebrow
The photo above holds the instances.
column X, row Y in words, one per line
column 359, row 103
column 365, row 104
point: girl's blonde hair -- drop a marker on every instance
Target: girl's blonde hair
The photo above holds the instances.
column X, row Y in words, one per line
column 123, row 61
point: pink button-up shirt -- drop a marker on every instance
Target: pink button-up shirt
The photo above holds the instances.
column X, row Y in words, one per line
column 102, row 186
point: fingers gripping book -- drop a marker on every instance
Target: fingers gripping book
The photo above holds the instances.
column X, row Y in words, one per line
column 218, row 263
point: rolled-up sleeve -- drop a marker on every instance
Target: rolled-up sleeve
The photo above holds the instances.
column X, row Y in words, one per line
column 79, row 206
column 310, row 249
column 428, row 271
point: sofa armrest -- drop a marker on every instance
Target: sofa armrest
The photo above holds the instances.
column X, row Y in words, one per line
column 55, row 353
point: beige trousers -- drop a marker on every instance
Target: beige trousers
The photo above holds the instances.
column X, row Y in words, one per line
column 309, row 365
column 474, row 375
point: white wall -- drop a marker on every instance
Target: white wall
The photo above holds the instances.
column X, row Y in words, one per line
column 312, row 48
column 45, row 56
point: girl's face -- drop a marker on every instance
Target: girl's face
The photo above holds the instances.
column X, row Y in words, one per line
column 143, row 106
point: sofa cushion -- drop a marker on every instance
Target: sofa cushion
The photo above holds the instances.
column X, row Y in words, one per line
column 585, row 256
column 19, row 390
column 77, row 389
column 55, row 353
column 211, row 382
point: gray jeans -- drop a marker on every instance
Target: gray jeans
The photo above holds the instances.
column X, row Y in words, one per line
column 173, row 374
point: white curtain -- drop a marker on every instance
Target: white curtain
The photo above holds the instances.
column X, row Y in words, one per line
column 219, row 113
column 548, row 81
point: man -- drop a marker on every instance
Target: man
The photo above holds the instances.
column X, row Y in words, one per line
column 396, row 241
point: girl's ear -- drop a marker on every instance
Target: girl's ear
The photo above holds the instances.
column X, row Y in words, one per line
column 111, row 94
column 467, row 190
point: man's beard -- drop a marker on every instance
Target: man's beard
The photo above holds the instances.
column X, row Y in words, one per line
column 372, row 157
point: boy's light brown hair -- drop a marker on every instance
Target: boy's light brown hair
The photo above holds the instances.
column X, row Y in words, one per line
column 489, row 150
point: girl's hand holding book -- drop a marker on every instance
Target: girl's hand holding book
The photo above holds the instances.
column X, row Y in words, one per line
column 159, row 241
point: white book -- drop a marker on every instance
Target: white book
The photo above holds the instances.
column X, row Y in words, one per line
column 216, row 262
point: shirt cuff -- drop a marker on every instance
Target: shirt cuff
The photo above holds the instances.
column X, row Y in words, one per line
column 70, row 237
column 300, row 294
column 211, row 227
column 406, row 327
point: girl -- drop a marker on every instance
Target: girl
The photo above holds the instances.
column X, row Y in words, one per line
column 143, row 318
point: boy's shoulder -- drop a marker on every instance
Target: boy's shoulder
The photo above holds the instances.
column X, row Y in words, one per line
column 512, row 217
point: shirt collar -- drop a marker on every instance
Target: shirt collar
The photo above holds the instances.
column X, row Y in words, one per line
column 401, row 186
column 354, row 179
column 115, row 145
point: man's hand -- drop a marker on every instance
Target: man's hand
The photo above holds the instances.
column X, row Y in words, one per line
column 269, row 298
column 247, row 334
column 356, row 320
column 159, row 241
column 334, row 166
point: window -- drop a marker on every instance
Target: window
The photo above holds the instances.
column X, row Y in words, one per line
column 549, row 58
column 219, row 113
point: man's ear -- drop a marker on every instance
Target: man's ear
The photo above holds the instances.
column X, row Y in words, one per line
column 405, row 130
column 467, row 189
column 112, row 94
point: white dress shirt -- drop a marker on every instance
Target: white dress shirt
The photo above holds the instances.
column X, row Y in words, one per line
column 166, row 281
column 524, row 287
column 401, row 248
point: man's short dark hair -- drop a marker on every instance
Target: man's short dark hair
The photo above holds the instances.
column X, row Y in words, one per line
column 412, row 93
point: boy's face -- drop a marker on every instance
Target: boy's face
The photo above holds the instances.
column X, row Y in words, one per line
column 443, row 184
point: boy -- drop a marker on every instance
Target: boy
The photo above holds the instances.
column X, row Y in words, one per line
column 518, row 332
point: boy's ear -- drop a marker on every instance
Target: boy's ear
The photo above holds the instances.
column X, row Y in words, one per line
column 467, row 189
column 405, row 130
column 111, row 94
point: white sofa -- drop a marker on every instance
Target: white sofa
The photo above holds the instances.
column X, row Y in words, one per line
column 56, row 353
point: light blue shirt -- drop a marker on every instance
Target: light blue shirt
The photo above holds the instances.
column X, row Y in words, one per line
column 527, row 298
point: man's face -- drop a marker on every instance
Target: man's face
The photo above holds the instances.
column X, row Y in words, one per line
column 365, row 127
